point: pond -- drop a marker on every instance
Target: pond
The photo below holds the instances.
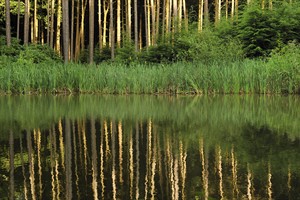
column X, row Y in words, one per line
column 149, row 147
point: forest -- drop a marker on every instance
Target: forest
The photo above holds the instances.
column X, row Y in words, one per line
column 150, row 46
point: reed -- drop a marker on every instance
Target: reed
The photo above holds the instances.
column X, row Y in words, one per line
column 241, row 77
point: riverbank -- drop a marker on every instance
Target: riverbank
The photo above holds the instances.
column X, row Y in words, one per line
column 278, row 75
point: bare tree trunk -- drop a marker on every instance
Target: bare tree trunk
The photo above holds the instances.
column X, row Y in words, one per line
column 58, row 26
column 118, row 23
column 77, row 39
column 48, row 22
column 185, row 15
column 226, row 9
column 148, row 23
column 7, row 13
column 26, row 22
column 35, row 23
column 236, row 9
column 18, row 21
column 157, row 18
column 83, row 9
column 72, row 31
column 66, row 30
column 232, row 9
column 200, row 16
column 136, row 37
column 153, row 18
column 217, row 11
column 91, row 31
column 52, row 24
column 112, row 32
column 106, row 9
column 128, row 21
column 163, row 19
column 179, row 14
column 206, row 13
column 100, row 24
column 175, row 16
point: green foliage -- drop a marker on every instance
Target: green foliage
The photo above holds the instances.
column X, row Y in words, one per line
column 38, row 54
column 279, row 74
column 258, row 31
column 126, row 54
column 205, row 47
column 32, row 54
column 262, row 31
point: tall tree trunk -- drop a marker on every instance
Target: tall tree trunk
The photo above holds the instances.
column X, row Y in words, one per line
column 226, row 9
column 100, row 24
column 206, row 13
column 153, row 18
column 26, row 22
column 112, row 31
column 58, row 26
column 91, row 31
column 66, row 30
column 52, row 24
column 217, row 11
column 232, row 9
column 7, row 13
column 163, row 19
column 179, row 14
column 35, row 23
column 175, row 16
column 136, row 37
column 200, row 16
column 148, row 23
column 157, row 18
column 83, row 9
column 128, row 19
column 77, row 38
column 48, row 22
column 106, row 9
column 236, row 9
column 72, row 30
column 118, row 23
column 185, row 15
column 18, row 21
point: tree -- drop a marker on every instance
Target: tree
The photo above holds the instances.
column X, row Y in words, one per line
column 65, row 7
column 26, row 22
column 91, row 30
column 112, row 31
column 8, row 33
column 136, row 37
column 119, row 23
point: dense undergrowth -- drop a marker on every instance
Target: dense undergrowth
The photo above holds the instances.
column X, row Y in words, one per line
column 234, row 57
column 278, row 74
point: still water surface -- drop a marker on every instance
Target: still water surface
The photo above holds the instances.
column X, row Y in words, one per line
column 149, row 147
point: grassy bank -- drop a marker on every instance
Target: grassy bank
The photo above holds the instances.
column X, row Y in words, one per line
column 280, row 74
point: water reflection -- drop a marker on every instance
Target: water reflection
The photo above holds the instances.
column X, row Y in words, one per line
column 102, row 157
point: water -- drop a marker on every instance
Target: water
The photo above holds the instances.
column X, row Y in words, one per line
column 149, row 147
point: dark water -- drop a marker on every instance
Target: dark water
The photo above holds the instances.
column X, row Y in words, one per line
column 149, row 147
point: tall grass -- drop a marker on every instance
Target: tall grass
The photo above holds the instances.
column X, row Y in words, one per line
column 277, row 75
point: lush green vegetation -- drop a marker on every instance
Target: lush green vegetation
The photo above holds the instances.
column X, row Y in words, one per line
column 279, row 74
column 258, row 54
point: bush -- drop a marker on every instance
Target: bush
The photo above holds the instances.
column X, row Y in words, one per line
column 262, row 31
column 38, row 54
column 205, row 47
